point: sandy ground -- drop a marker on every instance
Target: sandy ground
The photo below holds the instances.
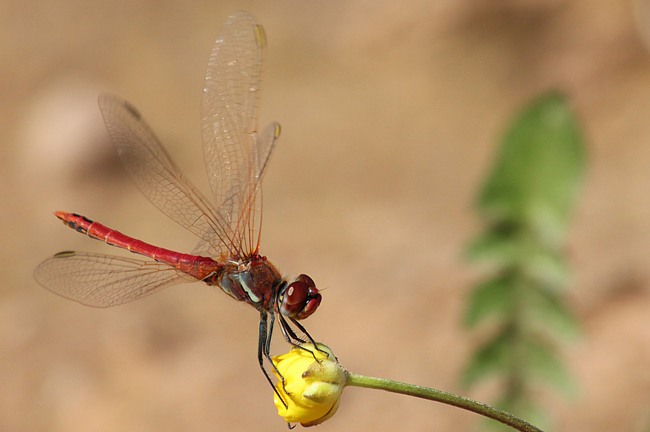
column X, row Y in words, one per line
column 391, row 112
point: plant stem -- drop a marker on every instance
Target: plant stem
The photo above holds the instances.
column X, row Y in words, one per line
column 441, row 396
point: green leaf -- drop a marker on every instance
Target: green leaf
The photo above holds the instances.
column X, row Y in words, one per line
column 536, row 176
column 546, row 268
column 526, row 203
column 493, row 357
column 491, row 298
column 544, row 365
column 497, row 246
column 550, row 314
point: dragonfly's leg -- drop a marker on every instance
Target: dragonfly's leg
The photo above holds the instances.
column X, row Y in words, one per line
column 288, row 333
column 311, row 339
column 269, row 335
column 291, row 337
column 303, row 330
column 263, row 348
column 268, row 351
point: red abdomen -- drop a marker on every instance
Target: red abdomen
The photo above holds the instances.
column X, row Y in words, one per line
column 197, row 266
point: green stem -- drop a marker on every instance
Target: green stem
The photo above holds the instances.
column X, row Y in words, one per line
column 441, row 396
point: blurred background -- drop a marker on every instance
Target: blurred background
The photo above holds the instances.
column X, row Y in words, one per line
column 391, row 115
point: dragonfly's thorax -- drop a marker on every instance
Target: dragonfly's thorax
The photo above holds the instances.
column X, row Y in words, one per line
column 254, row 281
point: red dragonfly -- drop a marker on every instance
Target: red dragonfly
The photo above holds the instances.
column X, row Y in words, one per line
column 227, row 255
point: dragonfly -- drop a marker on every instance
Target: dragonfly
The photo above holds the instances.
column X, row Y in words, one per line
column 227, row 254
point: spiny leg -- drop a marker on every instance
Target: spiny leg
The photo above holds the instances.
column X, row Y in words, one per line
column 263, row 348
column 268, row 351
column 291, row 337
column 306, row 333
column 267, row 347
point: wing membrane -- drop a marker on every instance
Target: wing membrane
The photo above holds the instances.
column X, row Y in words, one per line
column 105, row 280
column 158, row 177
column 235, row 156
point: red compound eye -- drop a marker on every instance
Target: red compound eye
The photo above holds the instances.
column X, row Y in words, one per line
column 300, row 299
column 307, row 280
column 295, row 297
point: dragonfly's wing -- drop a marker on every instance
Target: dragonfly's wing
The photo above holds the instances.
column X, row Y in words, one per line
column 263, row 149
column 235, row 155
column 264, row 145
column 105, row 280
column 158, row 177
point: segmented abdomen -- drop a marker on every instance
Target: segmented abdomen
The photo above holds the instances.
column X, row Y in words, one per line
column 197, row 266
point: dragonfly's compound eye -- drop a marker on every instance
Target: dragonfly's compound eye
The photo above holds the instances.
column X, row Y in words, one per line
column 301, row 298
column 306, row 280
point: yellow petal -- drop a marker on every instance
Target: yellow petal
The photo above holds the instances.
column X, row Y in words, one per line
column 313, row 381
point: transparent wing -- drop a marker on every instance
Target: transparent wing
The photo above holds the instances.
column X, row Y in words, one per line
column 235, row 155
column 263, row 149
column 265, row 145
column 158, row 177
column 104, row 280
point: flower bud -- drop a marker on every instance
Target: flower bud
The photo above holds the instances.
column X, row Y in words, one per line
column 313, row 381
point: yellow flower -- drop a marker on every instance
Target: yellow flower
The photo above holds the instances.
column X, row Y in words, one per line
column 313, row 386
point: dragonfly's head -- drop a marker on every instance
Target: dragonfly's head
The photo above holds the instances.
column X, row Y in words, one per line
column 299, row 299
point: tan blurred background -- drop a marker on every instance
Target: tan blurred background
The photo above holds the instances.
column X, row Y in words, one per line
column 391, row 112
